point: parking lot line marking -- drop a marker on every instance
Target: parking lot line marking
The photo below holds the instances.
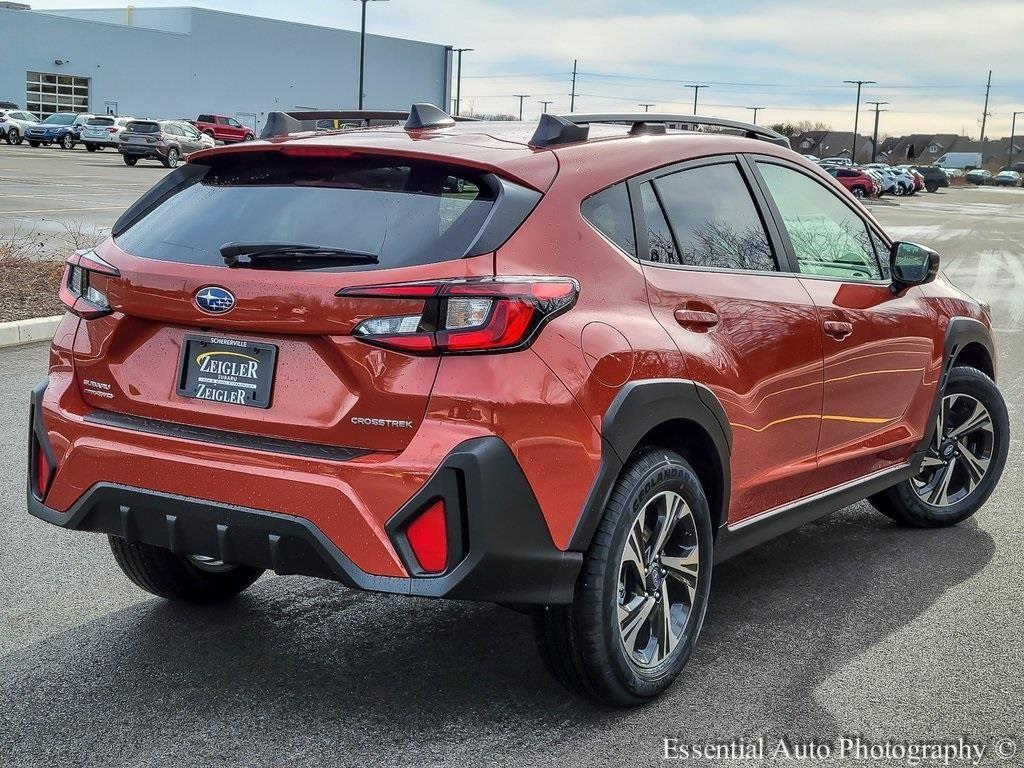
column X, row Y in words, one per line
column 62, row 210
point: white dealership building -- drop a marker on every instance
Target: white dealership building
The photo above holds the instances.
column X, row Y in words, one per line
column 180, row 62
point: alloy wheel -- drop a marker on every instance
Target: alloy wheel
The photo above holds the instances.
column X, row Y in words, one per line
column 658, row 573
column 960, row 453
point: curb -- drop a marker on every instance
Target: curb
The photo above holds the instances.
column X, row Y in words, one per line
column 18, row 332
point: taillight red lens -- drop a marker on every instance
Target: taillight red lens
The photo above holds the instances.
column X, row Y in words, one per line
column 472, row 315
column 78, row 292
column 427, row 535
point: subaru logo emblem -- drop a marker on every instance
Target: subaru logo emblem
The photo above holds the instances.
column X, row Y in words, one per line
column 215, row 300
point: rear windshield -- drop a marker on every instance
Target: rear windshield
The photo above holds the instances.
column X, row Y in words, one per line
column 100, row 121
column 139, row 127
column 406, row 213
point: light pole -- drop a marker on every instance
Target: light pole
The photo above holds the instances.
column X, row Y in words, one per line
column 1013, row 135
column 521, row 96
column 755, row 110
column 696, row 90
column 874, row 137
column 458, row 78
column 647, row 107
column 856, row 114
column 362, row 46
column 545, row 103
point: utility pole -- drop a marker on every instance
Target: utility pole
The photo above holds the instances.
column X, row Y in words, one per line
column 984, row 116
column 458, row 79
column 856, row 114
column 1013, row 135
column 647, row 107
column 362, row 47
column 755, row 111
column 545, row 103
column 572, row 95
column 874, row 139
column 521, row 96
column 696, row 90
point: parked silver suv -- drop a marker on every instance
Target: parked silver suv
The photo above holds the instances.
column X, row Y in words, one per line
column 14, row 123
column 164, row 140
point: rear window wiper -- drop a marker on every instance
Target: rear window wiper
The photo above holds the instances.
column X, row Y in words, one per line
column 253, row 252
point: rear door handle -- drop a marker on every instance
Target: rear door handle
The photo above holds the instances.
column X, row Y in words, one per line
column 837, row 329
column 696, row 319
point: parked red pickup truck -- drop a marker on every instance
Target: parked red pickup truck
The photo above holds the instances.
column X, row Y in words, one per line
column 223, row 128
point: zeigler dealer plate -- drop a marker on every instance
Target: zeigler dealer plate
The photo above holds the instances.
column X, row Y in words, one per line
column 223, row 370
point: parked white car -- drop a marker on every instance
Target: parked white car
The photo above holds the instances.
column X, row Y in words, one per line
column 14, row 122
column 103, row 131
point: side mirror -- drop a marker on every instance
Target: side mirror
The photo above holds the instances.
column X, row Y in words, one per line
column 912, row 264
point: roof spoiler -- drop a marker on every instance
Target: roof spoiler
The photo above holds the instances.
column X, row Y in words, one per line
column 418, row 117
column 644, row 122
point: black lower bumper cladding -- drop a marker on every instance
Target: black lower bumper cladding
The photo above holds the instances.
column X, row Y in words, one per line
column 507, row 554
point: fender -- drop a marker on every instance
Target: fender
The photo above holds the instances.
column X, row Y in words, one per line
column 639, row 407
column 960, row 332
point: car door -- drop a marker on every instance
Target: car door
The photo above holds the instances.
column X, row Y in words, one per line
column 233, row 129
column 190, row 139
column 878, row 386
column 747, row 329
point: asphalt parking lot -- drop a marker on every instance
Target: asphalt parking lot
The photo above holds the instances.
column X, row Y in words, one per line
column 46, row 188
column 851, row 625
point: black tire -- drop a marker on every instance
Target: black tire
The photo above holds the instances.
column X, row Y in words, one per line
column 165, row 574
column 33, row 143
column 90, row 147
column 171, row 161
column 13, row 135
column 859, row 193
column 67, row 141
column 128, row 160
column 581, row 644
column 932, row 187
column 249, row 137
column 902, row 502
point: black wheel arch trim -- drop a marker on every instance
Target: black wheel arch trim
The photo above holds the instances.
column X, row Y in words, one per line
column 639, row 407
column 961, row 332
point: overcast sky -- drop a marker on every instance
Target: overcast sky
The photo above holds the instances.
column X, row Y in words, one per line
column 930, row 57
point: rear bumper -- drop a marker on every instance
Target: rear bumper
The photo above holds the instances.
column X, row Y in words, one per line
column 159, row 151
column 501, row 549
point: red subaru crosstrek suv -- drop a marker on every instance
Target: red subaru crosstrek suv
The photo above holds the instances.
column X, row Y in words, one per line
column 563, row 367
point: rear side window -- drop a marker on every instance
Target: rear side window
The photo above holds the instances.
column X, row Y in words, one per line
column 828, row 237
column 713, row 218
column 407, row 213
column 610, row 214
column 204, row 119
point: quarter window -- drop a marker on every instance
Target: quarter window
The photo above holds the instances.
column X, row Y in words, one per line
column 713, row 219
column 828, row 237
column 610, row 214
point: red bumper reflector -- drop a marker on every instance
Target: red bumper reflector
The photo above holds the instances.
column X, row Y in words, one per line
column 427, row 535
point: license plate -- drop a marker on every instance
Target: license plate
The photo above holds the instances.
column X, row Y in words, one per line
column 222, row 370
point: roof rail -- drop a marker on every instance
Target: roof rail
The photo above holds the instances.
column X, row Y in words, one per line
column 281, row 123
column 748, row 130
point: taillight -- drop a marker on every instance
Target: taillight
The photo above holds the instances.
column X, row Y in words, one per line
column 112, row 130
column 43, row 472
column 78, row 291
column 471, row 315
column 427, row 535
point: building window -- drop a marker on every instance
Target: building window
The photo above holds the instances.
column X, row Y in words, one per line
column 934, row 149
column 47, row 93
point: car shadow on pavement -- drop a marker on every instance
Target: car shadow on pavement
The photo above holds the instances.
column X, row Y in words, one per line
column 319, row 674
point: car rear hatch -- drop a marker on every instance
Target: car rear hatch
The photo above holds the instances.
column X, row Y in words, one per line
column 99, row 129
column 253, row 339
column 142, row 135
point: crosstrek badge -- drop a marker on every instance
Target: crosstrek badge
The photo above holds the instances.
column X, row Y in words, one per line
column 231, row 371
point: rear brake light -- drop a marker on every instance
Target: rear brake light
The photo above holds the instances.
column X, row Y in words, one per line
column 427, row 535
column 472, row 315
column 78, row 293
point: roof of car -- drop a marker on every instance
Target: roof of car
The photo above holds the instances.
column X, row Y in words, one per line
column 504, row 146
